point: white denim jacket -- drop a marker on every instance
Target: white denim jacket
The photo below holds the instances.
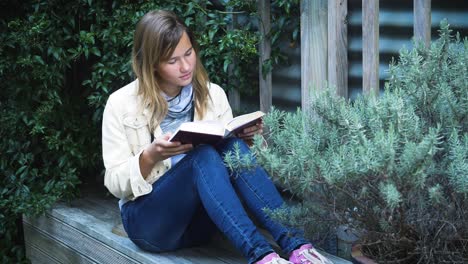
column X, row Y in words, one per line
column 125, row 134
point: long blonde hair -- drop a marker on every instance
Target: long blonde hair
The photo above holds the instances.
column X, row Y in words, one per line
column 156, row 37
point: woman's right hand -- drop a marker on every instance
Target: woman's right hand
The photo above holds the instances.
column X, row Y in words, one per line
column 160, row 149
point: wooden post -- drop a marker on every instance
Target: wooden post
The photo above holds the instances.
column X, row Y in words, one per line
column 422, row 21
column 234, row 100
column 265, row 51
column 370, row 46
column 338, row 46
column 313, row 49
column 233, row 94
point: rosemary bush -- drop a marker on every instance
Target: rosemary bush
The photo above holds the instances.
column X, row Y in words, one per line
column 393, row 168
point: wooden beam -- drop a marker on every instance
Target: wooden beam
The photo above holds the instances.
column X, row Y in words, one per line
column 265, row 84
column 313, row 49
column 233, row 94
column 84, row 231
column 234, row 101
column 422, row 21
column 370, row 46
column 338, row 46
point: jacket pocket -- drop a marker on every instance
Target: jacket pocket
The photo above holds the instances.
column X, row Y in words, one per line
column 137, row 132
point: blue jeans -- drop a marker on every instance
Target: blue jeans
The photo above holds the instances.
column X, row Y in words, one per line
column 198, row 196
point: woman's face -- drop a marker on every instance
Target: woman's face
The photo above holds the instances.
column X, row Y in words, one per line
column 177, row 72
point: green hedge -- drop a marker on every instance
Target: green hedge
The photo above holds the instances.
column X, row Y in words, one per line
column 59, row 61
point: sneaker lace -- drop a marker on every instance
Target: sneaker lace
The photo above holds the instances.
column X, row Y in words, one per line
column 312, row 255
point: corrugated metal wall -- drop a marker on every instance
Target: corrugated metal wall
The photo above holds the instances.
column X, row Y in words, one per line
column 396, row 30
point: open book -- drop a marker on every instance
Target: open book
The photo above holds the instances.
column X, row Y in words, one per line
column 211, row 132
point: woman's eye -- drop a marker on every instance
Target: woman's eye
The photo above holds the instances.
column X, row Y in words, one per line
column 171, row 61
column 188, row 53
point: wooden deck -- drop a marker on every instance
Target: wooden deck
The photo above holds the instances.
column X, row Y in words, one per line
column 89, row 230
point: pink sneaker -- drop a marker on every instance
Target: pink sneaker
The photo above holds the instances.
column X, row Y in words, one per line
column 272, row 258
column 307, row 254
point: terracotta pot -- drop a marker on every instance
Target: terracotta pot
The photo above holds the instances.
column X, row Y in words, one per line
column 358, row 256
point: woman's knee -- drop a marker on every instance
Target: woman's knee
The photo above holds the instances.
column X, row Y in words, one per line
column 206, row 153
column 206, row 160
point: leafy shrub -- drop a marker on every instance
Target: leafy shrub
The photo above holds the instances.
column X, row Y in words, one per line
column 392, row 168
column 47, row 139
column 60, row 60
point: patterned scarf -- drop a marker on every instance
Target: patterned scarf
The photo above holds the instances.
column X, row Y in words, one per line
column 180, row 109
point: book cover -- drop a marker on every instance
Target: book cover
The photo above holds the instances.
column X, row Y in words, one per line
column 211, row 132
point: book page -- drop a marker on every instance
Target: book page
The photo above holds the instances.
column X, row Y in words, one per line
column 244, row 121
column 204, row 127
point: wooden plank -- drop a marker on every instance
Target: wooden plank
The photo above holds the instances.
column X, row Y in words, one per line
column 49, row 249
column 92, row 236
column 370, row 46
column 37, row 256
column 338, row 46
column 109, row 229
column 103, row 209
column 265, row 84
column 233, row 94
column 234, row 100
column 82, row 232
column 422, row 21
column 313, row 49
column 79, row 241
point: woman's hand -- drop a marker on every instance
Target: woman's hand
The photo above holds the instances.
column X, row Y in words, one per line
column 160, row 149
column 249, row 132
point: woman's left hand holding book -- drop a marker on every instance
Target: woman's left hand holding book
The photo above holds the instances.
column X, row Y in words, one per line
column 248, row 133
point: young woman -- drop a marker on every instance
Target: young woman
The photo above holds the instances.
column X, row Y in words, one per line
column 173, row 195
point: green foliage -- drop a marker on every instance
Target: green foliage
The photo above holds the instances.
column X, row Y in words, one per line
column 44, row 150
column 60, row 60
column 234, row 159
column 394, row 168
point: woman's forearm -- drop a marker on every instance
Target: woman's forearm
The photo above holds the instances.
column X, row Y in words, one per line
column 146, row 163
